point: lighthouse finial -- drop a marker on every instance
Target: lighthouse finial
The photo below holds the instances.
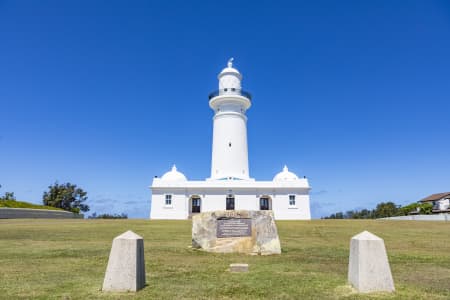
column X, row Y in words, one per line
column 230, row 62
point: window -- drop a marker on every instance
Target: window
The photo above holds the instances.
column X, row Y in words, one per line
column 168, row 200
column 291, row 200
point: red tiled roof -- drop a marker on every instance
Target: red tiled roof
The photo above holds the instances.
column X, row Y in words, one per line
column 435, row 197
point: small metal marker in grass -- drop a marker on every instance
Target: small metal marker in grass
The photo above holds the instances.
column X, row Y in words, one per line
column 238, row 268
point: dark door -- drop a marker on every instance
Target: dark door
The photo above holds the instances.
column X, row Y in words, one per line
column 264, row 203
column 230, row 203
column 195, row 205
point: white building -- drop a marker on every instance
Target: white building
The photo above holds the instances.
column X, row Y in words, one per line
column 230, row 186
column 440, row 202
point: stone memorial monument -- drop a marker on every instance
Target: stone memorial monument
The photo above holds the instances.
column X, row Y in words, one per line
column 126, row 267
column 241, row 231
column 368, row 268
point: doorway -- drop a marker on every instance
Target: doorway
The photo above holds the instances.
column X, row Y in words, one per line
column 230, row 202
column 195, row 205
column 265, row 203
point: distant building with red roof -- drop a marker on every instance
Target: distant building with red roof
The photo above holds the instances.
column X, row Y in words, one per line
column 440, row 202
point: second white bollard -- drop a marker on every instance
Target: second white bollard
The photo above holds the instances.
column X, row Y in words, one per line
column 368, row 268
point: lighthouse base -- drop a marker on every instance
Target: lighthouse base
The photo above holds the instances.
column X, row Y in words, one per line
column 288, row 200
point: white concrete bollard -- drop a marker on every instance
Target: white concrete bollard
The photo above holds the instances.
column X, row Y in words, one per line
column 368, row 268
column 126, row 267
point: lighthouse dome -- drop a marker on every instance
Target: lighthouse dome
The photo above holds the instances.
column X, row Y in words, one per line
column 230, row 70
column 285, row 175
column 229, row 78
column 174, row 175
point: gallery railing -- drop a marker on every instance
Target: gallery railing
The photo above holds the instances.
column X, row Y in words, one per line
column 230, row 91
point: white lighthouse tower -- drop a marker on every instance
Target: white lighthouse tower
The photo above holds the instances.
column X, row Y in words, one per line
column 230, row 186
column 229, row 146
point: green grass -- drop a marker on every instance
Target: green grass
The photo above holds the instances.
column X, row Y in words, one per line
column 22, row 204
column 66, row 259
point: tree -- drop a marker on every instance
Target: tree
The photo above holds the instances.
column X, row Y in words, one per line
column 66, row 196
column 421, row 208
column 338, row 215
column 383, row 209
column 9, row 196
column 364, row 214
column 386, row 209
column 426, row 208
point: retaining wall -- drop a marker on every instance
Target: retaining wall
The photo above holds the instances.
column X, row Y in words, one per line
column 27, row 213
column 438, row 217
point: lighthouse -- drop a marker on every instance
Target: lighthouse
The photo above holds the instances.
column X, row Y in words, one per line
column 229, row 186
column 229, row 145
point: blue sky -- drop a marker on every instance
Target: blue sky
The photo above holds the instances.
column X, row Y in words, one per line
column 107, row 94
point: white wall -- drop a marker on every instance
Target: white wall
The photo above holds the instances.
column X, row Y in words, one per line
column 215, row 199
column 283, row 211
column 178, row 209
column 228, row 81
column 230, row 128
column 443, row 204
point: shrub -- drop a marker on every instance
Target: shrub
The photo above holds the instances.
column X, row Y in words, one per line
column 108, row 216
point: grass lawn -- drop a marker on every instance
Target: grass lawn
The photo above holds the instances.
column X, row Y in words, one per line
column 66, row 259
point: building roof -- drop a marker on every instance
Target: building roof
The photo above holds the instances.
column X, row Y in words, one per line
column 285, row 175
column 230, row 70
column 174, row 175
column 435, row 197
column 301, row 183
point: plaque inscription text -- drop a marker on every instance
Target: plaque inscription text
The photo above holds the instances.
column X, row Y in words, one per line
column 234, row 227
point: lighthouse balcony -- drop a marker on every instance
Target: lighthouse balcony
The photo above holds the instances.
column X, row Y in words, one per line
column 230, row 91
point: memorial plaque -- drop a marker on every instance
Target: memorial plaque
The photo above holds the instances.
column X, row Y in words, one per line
column 239, row 231
column 234, row 227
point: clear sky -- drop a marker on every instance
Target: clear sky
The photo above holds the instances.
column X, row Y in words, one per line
column 107, row 94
